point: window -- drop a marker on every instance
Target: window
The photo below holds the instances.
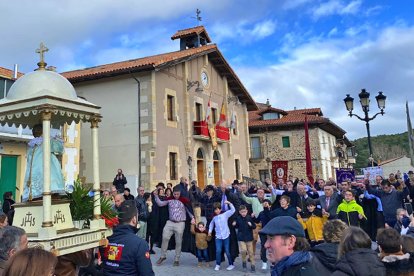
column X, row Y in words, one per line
column 200, row 154
column 237, row 167
column 214, row 115
column 271, row 116
column 263, row 174
column 286, row 141
column 5, row 85
column 199, row 112
column 256, row 149
column 170, row 108
column 173, row 166
column 235, row 125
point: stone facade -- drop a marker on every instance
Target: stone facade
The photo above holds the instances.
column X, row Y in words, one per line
column 324, row 138
column 164, row 131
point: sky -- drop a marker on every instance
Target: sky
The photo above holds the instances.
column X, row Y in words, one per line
column 296, row 53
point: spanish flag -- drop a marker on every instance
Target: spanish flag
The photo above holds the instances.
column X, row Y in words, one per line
column 222, row 119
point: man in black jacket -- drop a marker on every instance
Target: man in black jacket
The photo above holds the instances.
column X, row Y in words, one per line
column 120, row 181
column 126, row 253
column 143, row 213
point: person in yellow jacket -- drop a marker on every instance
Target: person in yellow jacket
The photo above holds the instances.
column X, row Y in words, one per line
column 314, row 223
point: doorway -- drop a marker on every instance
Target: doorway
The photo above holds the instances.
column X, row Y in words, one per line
column 216, row 164
column 200, row 169
column 8, row 175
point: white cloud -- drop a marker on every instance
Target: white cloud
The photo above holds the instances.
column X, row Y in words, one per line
column 263, row 29
column 334, row 7
column 321, row 73
column 244, row 31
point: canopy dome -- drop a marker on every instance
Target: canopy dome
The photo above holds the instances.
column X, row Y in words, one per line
column 42, row 83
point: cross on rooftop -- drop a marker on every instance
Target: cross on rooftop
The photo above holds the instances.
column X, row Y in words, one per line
column 42, row 49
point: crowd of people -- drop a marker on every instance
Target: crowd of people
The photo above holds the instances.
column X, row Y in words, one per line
column 323, row 228
column 224, row 222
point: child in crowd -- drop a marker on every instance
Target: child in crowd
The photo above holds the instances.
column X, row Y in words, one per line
column 220, row 224
column 245, row 226
column 202, row 238
column 349, row 211
column 314, row 223
column 264, row 217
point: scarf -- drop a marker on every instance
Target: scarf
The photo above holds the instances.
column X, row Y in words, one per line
column 296, row 258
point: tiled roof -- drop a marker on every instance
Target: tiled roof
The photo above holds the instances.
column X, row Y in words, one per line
column 8, row 74
column 191, row 31
column 163, row 60
column 272, row 109
column 390, row 160
column 124, row 67
column 309, row 111
column 294, row 118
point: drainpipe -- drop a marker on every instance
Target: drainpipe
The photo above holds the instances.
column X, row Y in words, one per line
column 139, row 129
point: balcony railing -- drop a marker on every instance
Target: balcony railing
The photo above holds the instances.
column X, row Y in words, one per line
column 201, row 132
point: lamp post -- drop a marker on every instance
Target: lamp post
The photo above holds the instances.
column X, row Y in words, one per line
column 364, row 100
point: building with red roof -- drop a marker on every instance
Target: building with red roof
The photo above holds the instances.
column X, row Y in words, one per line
column 278, row 137
column 155, row 110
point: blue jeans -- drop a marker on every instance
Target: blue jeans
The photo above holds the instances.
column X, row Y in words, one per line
column 202, row 255
column 219, row 248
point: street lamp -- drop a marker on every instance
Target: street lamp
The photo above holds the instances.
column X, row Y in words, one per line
column 364, row 100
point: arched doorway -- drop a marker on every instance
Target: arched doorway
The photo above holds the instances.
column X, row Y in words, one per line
column 200, row 169
column 216, row 164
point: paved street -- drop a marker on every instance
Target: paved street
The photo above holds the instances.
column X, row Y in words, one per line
column 188, row 266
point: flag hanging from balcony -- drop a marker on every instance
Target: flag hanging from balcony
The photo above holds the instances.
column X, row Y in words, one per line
column 309, row 174
column 208, row 111
column 222, row 118
column 232, row 120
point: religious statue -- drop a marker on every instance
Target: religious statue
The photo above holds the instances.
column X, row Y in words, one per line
column 33, row 181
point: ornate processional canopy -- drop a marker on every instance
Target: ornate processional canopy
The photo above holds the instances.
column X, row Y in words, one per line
column 44, row 91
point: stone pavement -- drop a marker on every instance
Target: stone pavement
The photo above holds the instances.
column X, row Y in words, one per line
column 188, row 266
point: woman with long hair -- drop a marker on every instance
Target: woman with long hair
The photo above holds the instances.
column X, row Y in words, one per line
column 31, row 262
column 356, row 256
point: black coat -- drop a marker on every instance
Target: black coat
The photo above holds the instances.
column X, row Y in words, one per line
column 119, row 183
column 399, row 265
column 360, row 262
column 156, row 221
column 324, row 257
column 244, row 231
column 207, row 203
column 8, row 209
column 290, row 211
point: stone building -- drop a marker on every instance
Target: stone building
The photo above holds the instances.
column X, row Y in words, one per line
column 154, row 111
column 277, row 138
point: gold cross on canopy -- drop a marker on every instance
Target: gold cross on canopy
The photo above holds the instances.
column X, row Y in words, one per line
column 42, row 49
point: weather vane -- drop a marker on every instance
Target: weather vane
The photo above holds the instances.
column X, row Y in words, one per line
column 198, row 17
column 41, row 51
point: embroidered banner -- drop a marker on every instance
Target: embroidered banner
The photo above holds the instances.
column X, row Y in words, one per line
column 279, row 171
column 343, row 174
column 371, row 173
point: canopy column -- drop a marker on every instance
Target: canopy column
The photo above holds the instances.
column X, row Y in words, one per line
column 95, row 160
column 47, row 195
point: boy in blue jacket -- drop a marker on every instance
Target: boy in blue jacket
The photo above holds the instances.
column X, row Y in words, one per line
column 264, row 217
column 245, row 226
